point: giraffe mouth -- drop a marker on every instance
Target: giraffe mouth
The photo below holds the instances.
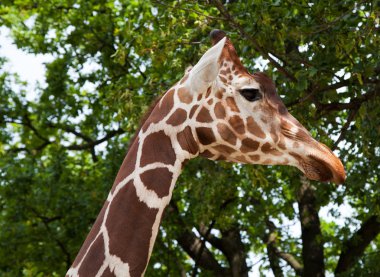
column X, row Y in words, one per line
column 327, row 169
column 316, row 169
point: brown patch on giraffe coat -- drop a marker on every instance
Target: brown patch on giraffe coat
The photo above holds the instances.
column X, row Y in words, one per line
column 286, row 126
column 249, row 145
column 204, row 116
column 157, row 147
column 210, row 101
column 226, row 133
column 207, row 154
column 225, row 71
column 224, row 80
column 232, row 104
column 219, row 110
column 192, row 111
column 300, row 134
column 205, row 135
column 254, row 128
column 281, row 143
column 184, row 95
column 220, row 158
column 303, row 136
column 94, row 259
column 184, row 162
column 264, row 120
column 268, row 149
column 158, row 180
column 255, row 157
column 161, row 109
column 91, row 236
column 128, row 165
column 296, row 156
column 107, row 273
column 242, row 159
column 285, row 162
column 187, row 142
column 177, row 118
column 273, row 134
column 129, row 231
column 237, row 124
column 229, row 55
column 224, row 149
column 208, row 92
column 267, row 161
column 220, row 92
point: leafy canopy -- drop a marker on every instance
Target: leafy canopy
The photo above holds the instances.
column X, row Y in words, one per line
column 62, row 143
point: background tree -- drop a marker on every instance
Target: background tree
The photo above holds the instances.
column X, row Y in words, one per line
column 60, row 150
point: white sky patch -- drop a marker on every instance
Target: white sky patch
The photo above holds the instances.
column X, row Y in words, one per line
column 303, row 48
column 344, row 213
column 29, row 67
column 261, row 63
column 342, row 73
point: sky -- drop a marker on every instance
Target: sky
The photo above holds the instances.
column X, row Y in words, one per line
column 31, row 68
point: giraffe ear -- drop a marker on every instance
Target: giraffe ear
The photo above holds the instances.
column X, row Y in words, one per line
column 207, row 68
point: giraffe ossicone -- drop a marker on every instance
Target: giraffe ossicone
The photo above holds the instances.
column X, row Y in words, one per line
column 218, row 110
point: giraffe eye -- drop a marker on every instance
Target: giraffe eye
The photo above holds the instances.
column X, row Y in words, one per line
column 251, row 94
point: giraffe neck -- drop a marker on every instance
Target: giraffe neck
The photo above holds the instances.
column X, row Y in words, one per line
column 122, row 238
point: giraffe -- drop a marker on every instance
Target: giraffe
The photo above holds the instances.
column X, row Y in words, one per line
column 219, row 111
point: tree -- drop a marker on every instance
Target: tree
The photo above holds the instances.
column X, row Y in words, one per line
column 60, row 152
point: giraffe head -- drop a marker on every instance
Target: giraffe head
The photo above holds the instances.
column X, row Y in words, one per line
column 237, row 116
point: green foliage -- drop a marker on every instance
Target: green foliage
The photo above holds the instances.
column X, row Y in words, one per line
column 112, row 58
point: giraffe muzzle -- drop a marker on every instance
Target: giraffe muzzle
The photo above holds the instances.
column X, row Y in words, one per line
column 325, row 168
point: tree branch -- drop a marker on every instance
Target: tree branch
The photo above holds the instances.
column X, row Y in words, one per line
column 26, row 122
column 354, row 247
column 273, row 250
column 353, row 104
column 192, row 245
column 230, row 244
column 345, row 127
column 46, row 221
column 270, row 240
column 203, row 245
column 91, row 144
column 343, row 83
column 87, row 146
column 70, row 129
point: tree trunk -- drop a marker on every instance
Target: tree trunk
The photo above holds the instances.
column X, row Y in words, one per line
column 312, row 251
